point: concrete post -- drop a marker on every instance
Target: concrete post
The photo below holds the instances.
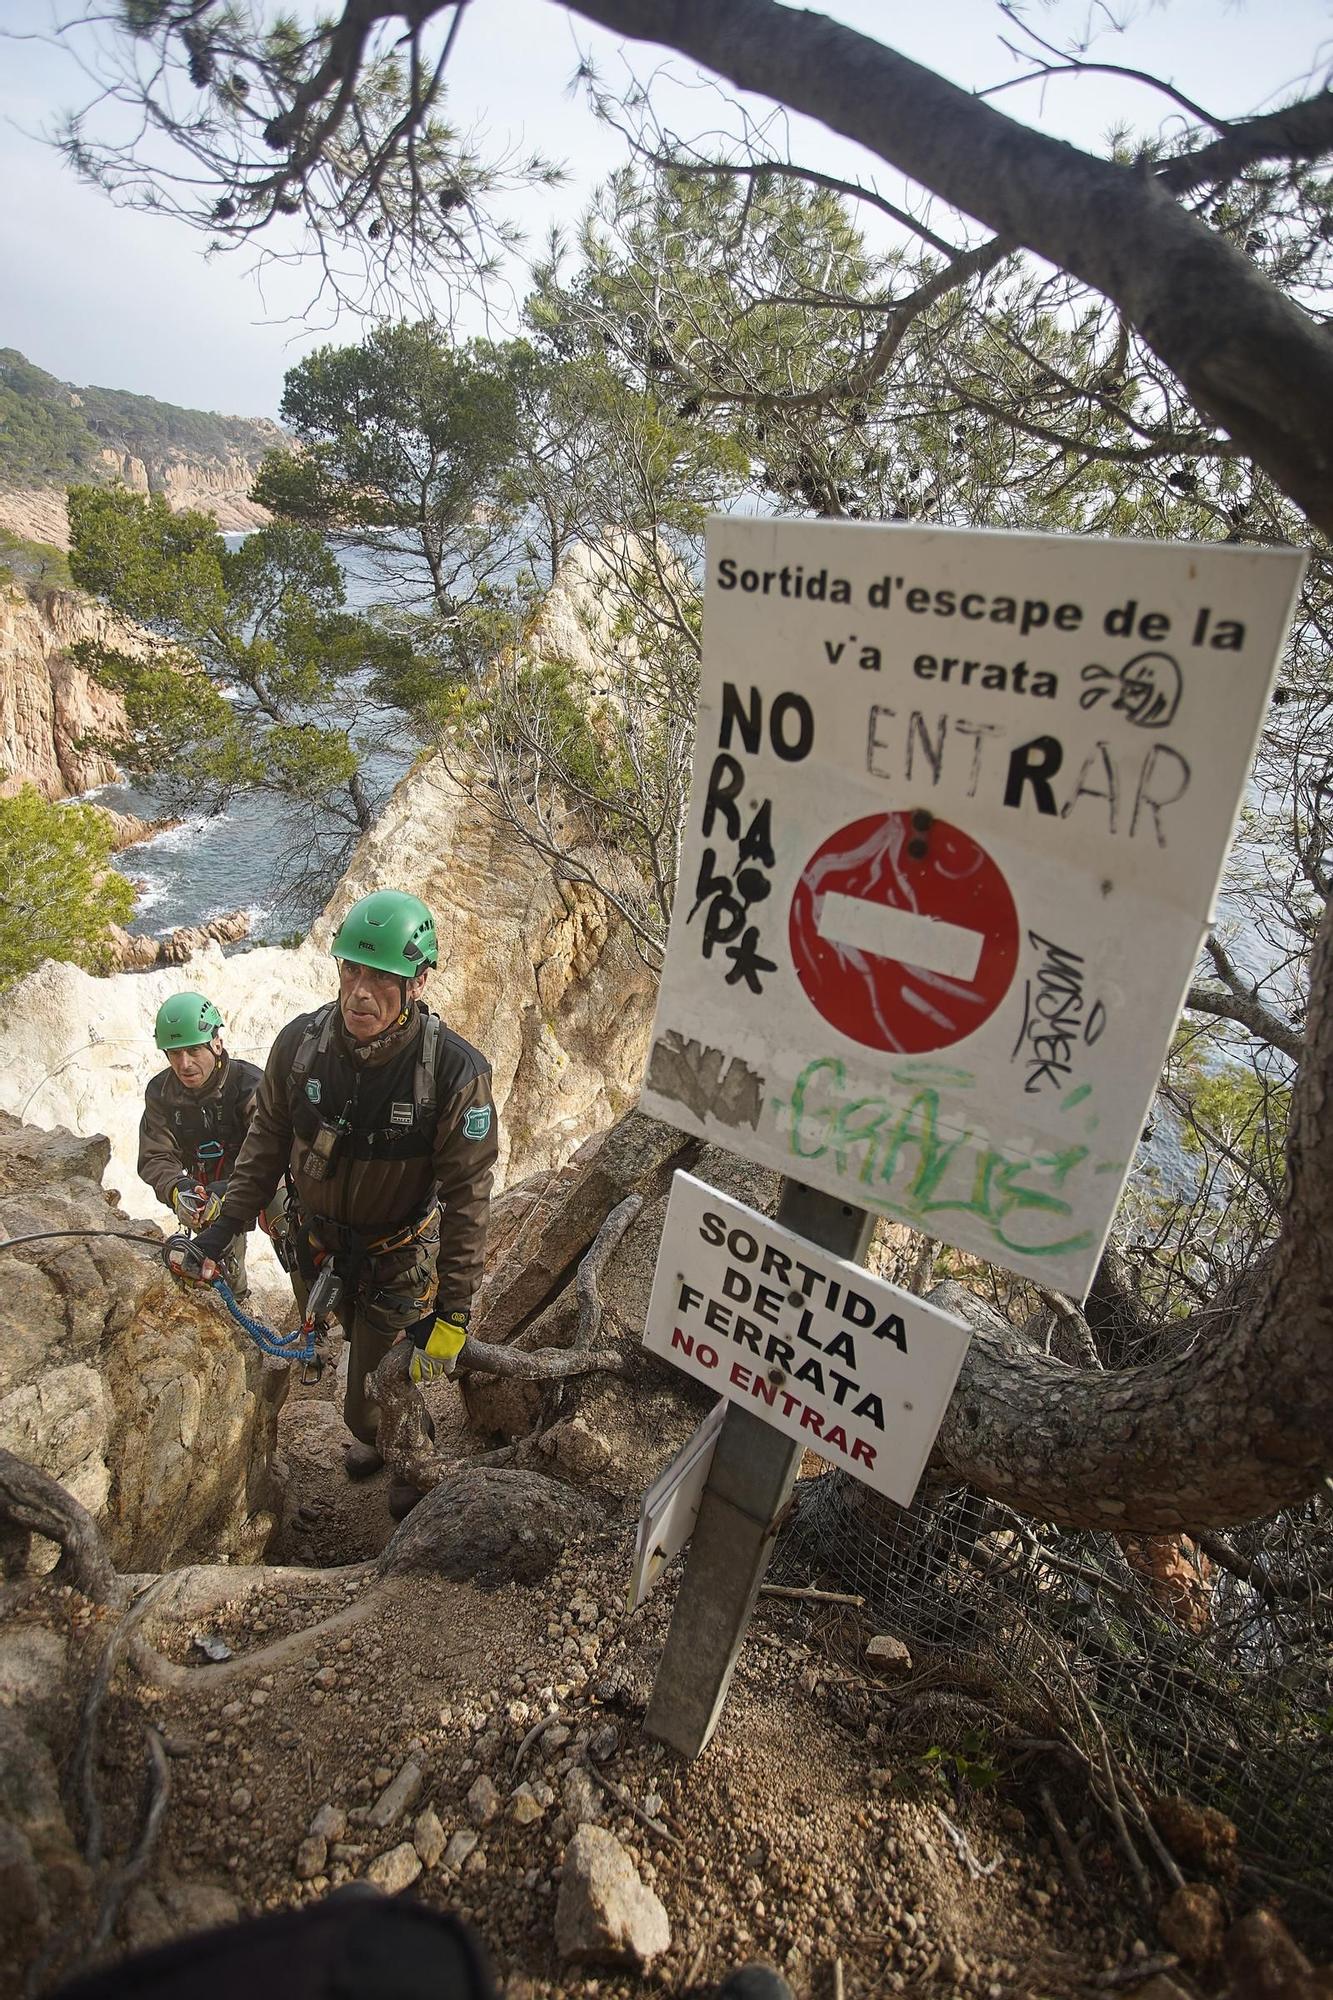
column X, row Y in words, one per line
column 749, row 1484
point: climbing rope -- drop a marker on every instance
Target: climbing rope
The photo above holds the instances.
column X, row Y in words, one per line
column 297, row 1346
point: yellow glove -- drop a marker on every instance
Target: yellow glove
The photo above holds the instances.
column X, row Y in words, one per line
column 436, row 1345
column 212, row 1207
column 188, row 1202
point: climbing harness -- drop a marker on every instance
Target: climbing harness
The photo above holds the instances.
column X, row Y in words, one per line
column 298, row 1346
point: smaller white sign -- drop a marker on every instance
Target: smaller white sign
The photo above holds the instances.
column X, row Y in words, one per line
column 854, row 1368
column 671, row 1507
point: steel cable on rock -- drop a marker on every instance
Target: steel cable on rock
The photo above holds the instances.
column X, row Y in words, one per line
column 280, row 1347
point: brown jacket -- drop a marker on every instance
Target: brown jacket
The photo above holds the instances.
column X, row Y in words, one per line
column 176, row 1122
column 385, row 1164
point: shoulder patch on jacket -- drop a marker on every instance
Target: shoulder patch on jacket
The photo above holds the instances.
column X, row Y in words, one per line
column 477, row 1121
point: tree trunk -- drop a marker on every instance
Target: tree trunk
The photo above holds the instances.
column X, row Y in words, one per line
column 1252, row 361
column 1235, row 1423
column 356, row 789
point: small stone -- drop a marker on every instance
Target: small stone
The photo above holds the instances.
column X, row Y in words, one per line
column 241, row 1800
column 1191, row 1923
column 329, row 1823
column 580, row 1797
column 396, row 1870
column 483, row 1802
column 382, row 1776
column 311, row 1858
column 604, row 1743
column 326, row 1678
column 605, row 1914
column 459, row 1848
column 428, row 1837
column 524, row 1808
column 398, row 1797
column 890, row 1655
column 1198, row 1836
column 555, row 1738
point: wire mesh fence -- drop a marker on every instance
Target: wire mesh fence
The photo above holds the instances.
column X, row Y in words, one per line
column 1211, row 1673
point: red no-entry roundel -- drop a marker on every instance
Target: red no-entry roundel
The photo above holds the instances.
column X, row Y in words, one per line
column 903, row 932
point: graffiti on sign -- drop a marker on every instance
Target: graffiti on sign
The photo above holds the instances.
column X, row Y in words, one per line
column 955, row 795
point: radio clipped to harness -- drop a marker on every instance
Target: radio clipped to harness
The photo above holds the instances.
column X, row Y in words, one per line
column 321, row 1155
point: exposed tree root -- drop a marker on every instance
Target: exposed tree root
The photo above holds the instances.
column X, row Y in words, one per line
column 31, row 1499
column 403, row 1440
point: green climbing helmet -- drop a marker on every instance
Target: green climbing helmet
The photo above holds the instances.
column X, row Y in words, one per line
column 186, row 1020
column 393, row 932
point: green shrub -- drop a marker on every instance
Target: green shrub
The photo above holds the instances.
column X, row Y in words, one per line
column 58, row 893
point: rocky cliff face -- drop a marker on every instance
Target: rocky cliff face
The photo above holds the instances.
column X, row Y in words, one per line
column 46, row 702
column 140, row 1397
column 220, row 487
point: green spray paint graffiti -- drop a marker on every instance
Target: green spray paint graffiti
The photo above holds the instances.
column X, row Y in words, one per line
column 907, row 1155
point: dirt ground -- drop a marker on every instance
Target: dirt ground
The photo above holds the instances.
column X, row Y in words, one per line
column 805, row 1835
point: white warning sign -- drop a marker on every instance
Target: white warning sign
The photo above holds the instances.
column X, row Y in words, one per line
column 961, row 802
column 854, row 1368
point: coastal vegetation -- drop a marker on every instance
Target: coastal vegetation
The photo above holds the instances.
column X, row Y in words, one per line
column 52, row 433
column 1035, row 336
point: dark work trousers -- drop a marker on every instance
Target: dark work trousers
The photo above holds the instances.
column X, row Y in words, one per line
column 391, row 1292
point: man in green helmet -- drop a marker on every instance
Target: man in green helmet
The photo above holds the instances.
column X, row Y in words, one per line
column 196, row 1114
column 378, row 1122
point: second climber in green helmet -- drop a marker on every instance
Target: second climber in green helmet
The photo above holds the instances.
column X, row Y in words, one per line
column 374, row 1142
column 196, row 1114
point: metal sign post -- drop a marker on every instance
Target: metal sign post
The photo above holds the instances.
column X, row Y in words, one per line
column 754, row 1469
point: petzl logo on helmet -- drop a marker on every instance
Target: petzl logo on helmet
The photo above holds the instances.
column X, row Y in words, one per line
column 477, row 1122
column 312, row 1090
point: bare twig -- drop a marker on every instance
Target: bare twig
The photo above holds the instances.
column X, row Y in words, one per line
column 1142, row 1881
column 622, row 1798
column 543, row 1722
column 807, row 1592
column 1133, row 1971
column 1065, row 1847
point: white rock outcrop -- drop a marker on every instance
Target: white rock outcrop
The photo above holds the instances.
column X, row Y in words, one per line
column 538, row 974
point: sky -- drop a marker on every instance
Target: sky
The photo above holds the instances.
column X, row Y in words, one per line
column 103, row 295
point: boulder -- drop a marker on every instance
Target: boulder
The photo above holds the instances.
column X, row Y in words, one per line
column 605, row 1913
column 139, row 1396
column 491, row 1525
column 1264, row 1962
column 136, row 952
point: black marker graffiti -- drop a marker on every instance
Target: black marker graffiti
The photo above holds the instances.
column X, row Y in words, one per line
column 1058, row 1017
column 1147, row 689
